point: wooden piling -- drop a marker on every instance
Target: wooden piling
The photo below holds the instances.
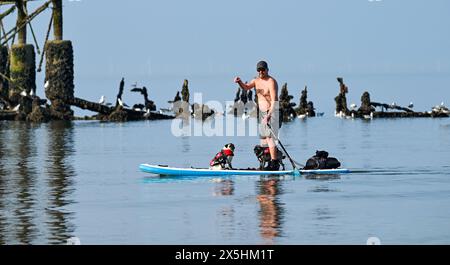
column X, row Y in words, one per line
column 22, row 71
column 21, row 18
column 57, row 19
column 59, row 73
column 4, row 86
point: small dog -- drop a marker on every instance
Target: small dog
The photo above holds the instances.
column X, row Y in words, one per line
column 222, row 160
column 263, row 155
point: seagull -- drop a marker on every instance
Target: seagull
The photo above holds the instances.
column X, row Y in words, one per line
column 438, row 107
column 120, row 102
column 73, row 241
column 16, row 108
column 368, row 117
column 147, row 114
column 102, row 100
column 411, row 105
column 353, row 106
column 46, row 84
column 245, row 115
column 340, row 114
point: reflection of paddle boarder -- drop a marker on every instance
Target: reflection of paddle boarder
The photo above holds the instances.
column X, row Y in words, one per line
column 271, row 213
column 225, row 187
column 267, row 93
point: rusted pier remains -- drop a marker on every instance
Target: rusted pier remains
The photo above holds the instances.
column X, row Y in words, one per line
column 18, row 100
column 59, row 73
column 22, row 66
column 370, row 109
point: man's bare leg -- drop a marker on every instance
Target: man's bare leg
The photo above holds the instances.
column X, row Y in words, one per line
column 272, row 148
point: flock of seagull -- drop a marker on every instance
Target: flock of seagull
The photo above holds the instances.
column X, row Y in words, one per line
column 240, row 99
column 243, row 99
column 441, row 108
column 4, row 105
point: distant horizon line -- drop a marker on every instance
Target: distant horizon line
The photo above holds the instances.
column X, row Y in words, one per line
column 221, row 74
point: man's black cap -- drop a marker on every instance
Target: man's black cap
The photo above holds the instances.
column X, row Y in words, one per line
column 261, row 64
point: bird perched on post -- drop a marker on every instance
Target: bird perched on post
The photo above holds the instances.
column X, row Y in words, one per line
column 16, row 108
column 411, row 105
column 121, row 103
column 102, row 100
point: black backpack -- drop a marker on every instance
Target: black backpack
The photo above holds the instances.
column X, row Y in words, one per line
column 322, row 161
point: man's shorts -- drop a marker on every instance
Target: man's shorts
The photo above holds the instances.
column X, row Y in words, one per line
column 263, row 128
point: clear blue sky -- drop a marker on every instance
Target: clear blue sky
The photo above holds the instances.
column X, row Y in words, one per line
column 222, row 37
column 145, row 40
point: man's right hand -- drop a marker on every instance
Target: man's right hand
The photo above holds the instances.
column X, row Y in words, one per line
column 237, row 79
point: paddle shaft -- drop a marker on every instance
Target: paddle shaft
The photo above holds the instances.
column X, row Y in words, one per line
column 282, row 147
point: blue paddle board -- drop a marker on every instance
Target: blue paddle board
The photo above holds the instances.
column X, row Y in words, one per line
column 174, row 171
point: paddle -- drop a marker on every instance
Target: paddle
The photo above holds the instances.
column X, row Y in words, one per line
column 296, row 170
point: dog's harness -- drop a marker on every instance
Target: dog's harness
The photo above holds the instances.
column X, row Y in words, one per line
column 221, row 158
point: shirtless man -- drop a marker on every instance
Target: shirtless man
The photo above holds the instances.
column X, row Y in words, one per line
column 267, row 93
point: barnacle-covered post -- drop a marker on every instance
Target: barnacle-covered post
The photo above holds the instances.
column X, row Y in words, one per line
column 4, row 85
column 185, row 91
column 341, row 99
column 4, row 53
column 286, row 106
column 303, row 105
column 59, row 72
column 4, row 72
column 22, row 63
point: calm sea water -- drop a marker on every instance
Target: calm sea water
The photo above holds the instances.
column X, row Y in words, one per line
column 59, row 180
